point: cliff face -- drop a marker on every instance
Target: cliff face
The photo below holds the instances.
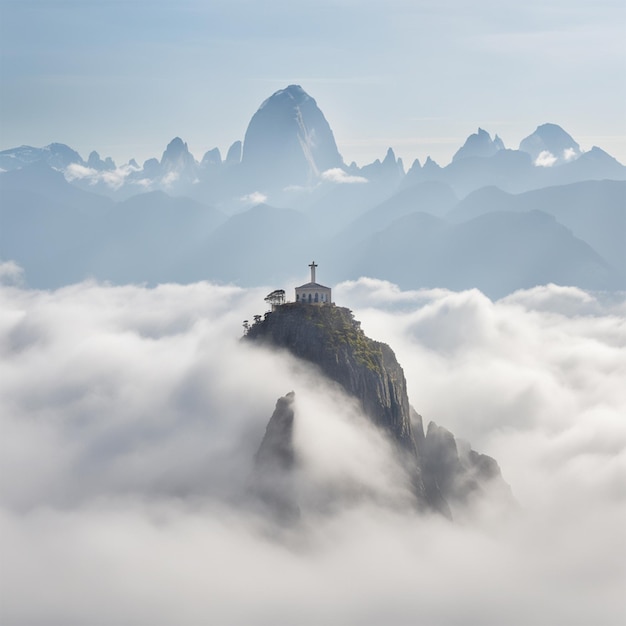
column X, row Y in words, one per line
column 441, row 473
column 274, row 462
column 330, row 337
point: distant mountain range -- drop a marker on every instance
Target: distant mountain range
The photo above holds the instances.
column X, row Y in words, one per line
column 494, row 218
column 289, row 151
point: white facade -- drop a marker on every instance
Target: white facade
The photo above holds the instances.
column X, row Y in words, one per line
column 312, row 292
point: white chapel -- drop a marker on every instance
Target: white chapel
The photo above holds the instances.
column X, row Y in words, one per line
column 313, row 292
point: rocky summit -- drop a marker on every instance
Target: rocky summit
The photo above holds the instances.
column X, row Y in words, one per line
column 443, row 474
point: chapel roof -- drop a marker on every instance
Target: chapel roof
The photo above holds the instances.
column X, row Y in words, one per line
column 312, row 286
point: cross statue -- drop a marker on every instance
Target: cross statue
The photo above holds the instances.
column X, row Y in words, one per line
column 313, row 265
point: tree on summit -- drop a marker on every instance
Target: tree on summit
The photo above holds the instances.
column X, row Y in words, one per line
column 276, row 298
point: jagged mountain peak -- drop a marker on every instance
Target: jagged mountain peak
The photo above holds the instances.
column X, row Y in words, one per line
column 430, row 165
column 178, row 162
column 174, row 148
column 480, row 144
column 390, row 157
column 390, row 168
column 95, row 162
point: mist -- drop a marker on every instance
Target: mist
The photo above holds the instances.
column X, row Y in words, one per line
column 131, row 415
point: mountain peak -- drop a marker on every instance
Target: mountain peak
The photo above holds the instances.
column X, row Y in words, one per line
column 550, row 145
column 60, row 155
column 95, row 162
column 479, row 144
column 233, row 156
column 390, row 157
column 178, row 162
column 430, row 165
column 212, row 157
column 288, row 141
column 291, row 92
column 175, row 147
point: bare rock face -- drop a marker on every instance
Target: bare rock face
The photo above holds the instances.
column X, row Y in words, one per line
column 440, row 472
column 330, row 337
column 275, row 461
column 459, row 474
column 276, row 450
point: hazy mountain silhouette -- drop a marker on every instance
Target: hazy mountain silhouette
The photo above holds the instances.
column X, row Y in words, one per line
column 60, row 234
column 148, row 238
column 373, row 219
column 479, row 144
column 95, row 162
column 497, row 253
column 288, row 147
column 49, row 184
column 253, row 247
column 430, row 197
column 390, row 168
column 550, row 145
column 233, row 156
column 508, row 169
column 56, row 155
column 178, row 160
column 594, row 164
column 288, row 142
column 594, row 210
column 47, row 225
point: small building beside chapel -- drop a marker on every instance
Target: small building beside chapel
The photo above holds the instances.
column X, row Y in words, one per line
column 312, row 292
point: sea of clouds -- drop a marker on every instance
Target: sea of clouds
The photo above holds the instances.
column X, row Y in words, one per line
column 130, row 417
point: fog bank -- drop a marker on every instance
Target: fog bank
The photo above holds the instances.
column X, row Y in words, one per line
column 130, row 418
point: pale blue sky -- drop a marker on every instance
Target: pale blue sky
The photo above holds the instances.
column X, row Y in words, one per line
column 124, row 77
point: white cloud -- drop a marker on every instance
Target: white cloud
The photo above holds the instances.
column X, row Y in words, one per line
column 144, row 183
column 256, row 197
column 75, row 171
column 130, row 417
column 170, row 178
column 366, row 292
column 545, row 159
column 10, row 272
column 339, row 176
column 557, row 299
column 569, row 154
column 112, row 178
